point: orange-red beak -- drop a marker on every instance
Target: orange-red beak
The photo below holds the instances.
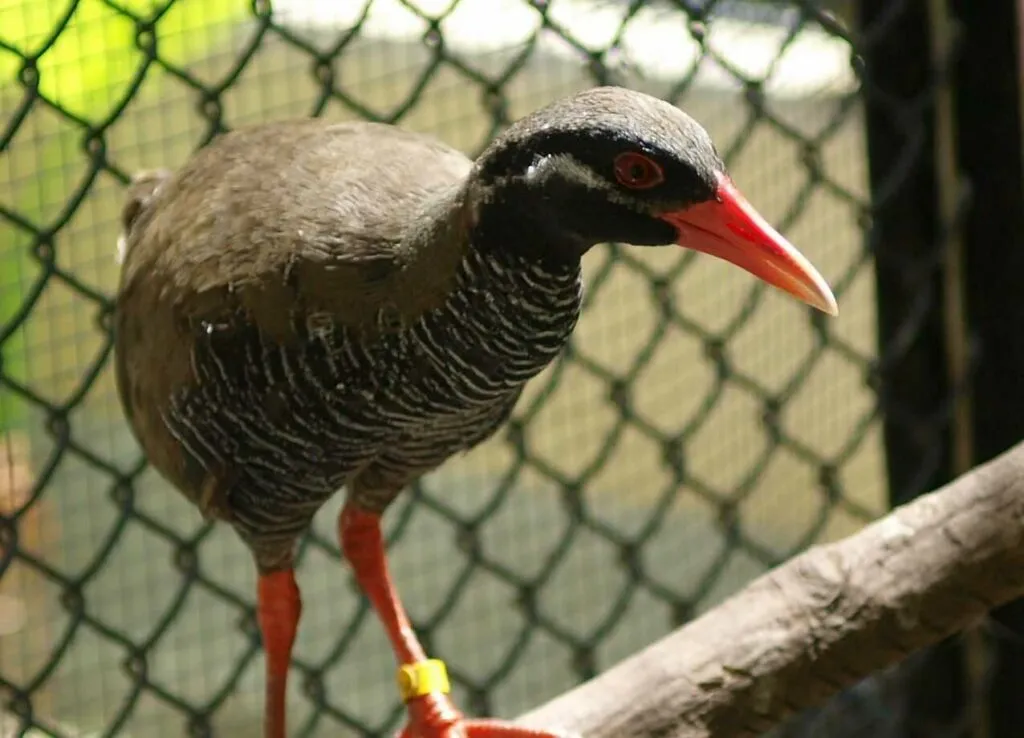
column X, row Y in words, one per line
column 728, row 227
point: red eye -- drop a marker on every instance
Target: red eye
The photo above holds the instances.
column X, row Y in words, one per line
column 637, row 172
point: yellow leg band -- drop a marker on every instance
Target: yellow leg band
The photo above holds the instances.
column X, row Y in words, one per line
column 423, row 678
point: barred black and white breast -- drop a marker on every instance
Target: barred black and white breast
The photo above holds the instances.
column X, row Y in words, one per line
column 297, row 420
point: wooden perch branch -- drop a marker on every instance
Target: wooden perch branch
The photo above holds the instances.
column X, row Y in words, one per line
column 820, row 622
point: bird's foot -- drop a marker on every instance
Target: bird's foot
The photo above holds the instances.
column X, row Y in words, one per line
column 432, row 714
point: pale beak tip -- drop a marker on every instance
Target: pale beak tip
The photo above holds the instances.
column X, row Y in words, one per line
column 825, row 301
column 815, row 290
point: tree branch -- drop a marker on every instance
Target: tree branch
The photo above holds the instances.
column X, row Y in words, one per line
column 820, row 622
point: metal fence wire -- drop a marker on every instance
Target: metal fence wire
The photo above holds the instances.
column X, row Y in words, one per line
column 698, row 430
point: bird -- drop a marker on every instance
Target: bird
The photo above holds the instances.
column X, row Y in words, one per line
column 307, row 306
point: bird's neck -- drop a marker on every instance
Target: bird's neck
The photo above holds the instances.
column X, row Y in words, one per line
column 509, row 221
column 506, row 229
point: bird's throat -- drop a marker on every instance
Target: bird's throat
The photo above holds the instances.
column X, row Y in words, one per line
column 515, row 221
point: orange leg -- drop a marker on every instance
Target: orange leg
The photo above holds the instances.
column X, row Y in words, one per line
column 431, row 715
column 278, row 608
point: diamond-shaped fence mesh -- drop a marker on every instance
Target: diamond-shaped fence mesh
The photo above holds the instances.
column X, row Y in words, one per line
column 699, row 429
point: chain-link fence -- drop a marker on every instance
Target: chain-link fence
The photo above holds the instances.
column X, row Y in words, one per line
column 699, row 429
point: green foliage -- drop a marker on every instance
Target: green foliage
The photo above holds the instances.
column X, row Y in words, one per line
column 83, row 57
column 87, row 53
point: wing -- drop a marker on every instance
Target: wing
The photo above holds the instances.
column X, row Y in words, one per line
column 322, row 223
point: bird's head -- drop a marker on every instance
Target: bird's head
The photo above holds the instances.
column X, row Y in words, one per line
column 611, row 164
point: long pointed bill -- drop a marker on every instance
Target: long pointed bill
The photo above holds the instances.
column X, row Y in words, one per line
column 728, row 227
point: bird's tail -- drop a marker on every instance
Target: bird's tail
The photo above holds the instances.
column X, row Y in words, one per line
column 141, row 191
